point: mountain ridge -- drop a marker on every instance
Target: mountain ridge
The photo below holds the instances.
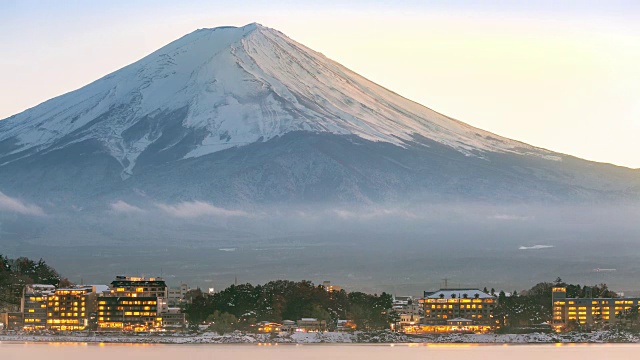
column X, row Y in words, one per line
column 225, row 88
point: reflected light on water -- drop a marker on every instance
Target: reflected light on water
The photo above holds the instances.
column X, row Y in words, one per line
column 273, row 351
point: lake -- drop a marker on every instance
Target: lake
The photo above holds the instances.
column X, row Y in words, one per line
column 99, row 351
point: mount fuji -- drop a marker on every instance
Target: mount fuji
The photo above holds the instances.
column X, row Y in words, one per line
column 245, row 115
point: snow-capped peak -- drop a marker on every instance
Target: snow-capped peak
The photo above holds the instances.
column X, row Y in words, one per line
column 235, row 86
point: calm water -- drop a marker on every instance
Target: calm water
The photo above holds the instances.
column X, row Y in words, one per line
column 69, row 351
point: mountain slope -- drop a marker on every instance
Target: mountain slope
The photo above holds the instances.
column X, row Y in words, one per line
column 248, row 115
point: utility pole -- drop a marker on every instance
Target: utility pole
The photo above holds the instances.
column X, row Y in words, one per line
column 446, row 283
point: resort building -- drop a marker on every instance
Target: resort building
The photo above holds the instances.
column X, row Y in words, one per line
column 128, row 313
column 133, row 304
column 34, row 306
column 590, row 311
column 70, row 309
column 137, row 304
column 457, row 310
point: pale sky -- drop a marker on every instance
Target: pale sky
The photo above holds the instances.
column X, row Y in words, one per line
column 563, row 75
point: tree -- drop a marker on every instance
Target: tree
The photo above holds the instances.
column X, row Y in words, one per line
column 15, row 274
column 222, row 322
column 502, row 296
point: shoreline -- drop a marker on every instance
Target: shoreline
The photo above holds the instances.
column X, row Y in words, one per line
column 382, row 337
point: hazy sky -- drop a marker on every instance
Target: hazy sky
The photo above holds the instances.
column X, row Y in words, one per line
column 563, row 75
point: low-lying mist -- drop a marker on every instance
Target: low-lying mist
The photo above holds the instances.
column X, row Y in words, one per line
column 398, row 248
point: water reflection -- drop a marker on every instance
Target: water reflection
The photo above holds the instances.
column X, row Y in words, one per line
column 271, row 351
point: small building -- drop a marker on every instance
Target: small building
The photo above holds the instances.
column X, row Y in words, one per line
column 173, row 320
column 178, row 295
column 311, row 325
column 288, row 326
column 268, row 327
column 12, row 320
column 345, row 325
column 410, row 313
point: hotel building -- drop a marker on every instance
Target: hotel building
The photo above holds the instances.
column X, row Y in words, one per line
column 588, row 311
column 457, row 310
column 133, row 304
column 34, row 306
column 71, row 309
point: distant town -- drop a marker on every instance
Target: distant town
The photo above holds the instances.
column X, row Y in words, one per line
column 34, row 298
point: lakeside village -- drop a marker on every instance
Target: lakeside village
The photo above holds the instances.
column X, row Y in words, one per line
column 147, row 305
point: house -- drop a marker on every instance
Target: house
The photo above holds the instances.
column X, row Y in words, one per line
column 311, row 325
column 268, row 327
column 345, row 326
column 288, row 326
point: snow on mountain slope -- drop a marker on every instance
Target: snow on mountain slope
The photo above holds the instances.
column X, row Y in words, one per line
column 237, row 86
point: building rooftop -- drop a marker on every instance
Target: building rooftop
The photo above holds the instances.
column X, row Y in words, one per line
column 137, row 278
column 458, row 293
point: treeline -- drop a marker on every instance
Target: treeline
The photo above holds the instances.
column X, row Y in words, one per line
column 533, row 307
column 240, row 306
column 16, row 273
